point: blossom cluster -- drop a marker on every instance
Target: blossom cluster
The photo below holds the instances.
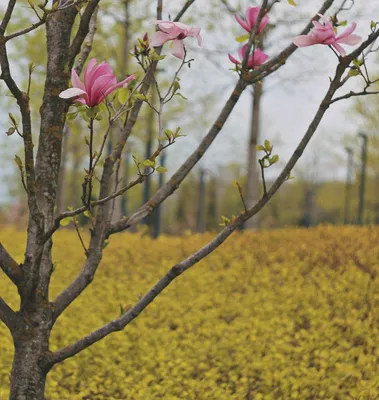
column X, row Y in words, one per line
column 258, row 57
column 100, row 81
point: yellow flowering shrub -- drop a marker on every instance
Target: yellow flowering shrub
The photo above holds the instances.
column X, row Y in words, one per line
column 284, row 314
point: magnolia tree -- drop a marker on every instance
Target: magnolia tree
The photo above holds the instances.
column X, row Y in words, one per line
column 70, row 27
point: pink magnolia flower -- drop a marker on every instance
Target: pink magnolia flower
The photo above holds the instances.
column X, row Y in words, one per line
column 259, row 57
column 251, row 17
column 99, row 82
column 325, row 34
column 175, row 31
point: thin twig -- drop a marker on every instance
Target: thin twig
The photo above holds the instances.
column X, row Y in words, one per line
column 352, row 94
column 80, row 237
column 25, row 31
column 240, row 190
column 261, row 163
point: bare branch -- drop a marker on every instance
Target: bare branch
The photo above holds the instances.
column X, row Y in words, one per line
column 25, row 31
column 10, row 266
column 229, row 8
column 186, row 6
column 7, row 315
column 87, row 47
column 83, row 30
column 7, row 16
column 353, row 94
column 23, row 103
column 344, row 7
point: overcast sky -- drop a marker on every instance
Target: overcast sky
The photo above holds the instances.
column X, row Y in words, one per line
column 291, row 98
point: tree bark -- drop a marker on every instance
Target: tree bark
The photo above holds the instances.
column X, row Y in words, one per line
column 252, row 186
column 30, row 366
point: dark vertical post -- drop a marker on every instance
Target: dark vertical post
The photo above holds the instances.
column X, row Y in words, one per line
column 157, row 212
column 200, row 220
column 362, row 183
column 349, row 178
column 309, row 194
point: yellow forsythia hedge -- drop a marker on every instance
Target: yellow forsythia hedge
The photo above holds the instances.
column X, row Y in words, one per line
column 285, row 314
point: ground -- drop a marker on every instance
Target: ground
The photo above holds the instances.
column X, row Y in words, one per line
column 284, row 314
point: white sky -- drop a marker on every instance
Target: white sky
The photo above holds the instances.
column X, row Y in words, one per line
column 290, row 101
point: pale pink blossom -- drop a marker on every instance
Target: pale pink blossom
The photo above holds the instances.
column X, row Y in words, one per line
column 251, row 17
column 259, row 57
column 99, row 82
column 325, row 34
column 175, row 31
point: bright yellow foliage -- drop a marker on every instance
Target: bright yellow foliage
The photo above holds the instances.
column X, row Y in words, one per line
column 285, row 314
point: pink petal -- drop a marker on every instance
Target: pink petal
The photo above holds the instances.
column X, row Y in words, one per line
column 100, row 86
column 76, row 82
column 178, row 49
column 252, row 16
column 158, row 39
column 263, row 23
column 102, row 69
column 304, row 40
column 173, row 29
column 89, row 68
column 242, row 52
column 164, row 24
column 259, row 57
column 195, row 32
column 182, row 26
column 242, row 22
column 339, row 49
column 72, row 92
column 81, row 100
column 119, row 84
column 349, row 30
column 318, row 24
column 350, row 40
column 233, row 60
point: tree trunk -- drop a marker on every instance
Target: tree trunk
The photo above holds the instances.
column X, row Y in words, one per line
column 31, row 336
column 30, row 367
column 252, row 186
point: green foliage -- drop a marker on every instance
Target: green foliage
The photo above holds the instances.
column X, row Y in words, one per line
column 285, row 314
